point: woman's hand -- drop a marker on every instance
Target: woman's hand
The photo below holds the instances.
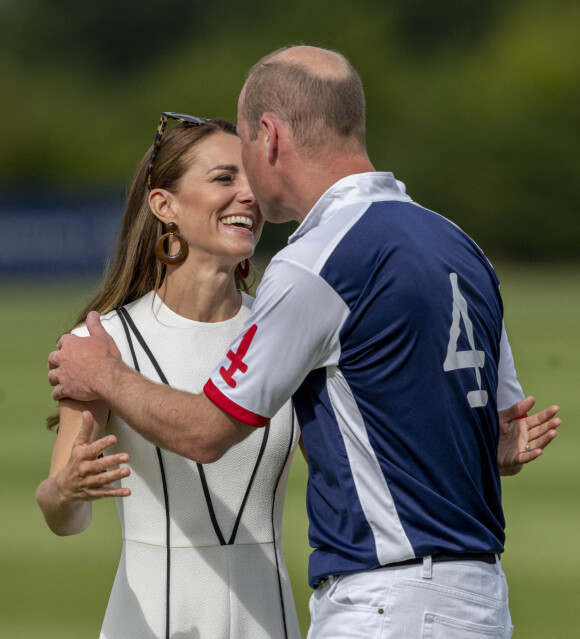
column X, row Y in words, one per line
column 87, row 476
column 522, row 439
column 77, row 475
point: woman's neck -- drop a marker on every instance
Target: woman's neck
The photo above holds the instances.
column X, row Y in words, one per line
column 203, row 294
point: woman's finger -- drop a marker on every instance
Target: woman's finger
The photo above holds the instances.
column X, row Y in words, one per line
column 542, row 416
column 536, row 432
column 92, row 494
column 103, row 479
column 542, row 441
column 92, row 451
column 101, row 465
column 86, row 429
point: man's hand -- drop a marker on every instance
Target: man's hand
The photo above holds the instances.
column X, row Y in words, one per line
column 81, row 362
column 522, row 439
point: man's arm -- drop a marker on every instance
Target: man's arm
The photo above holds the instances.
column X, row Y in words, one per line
column 87, row 368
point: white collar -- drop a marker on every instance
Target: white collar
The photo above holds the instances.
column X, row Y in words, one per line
column 360, row 187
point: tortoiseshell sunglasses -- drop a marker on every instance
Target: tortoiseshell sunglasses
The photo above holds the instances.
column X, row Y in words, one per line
column 166, row 115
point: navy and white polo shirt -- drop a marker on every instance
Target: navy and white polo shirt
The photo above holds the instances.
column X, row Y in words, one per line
column 384, row 321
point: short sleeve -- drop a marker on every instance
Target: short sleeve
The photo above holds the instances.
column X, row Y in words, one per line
column 509, row 390
column 293, row 329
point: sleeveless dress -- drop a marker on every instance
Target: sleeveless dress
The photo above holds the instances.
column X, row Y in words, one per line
column 201, row 554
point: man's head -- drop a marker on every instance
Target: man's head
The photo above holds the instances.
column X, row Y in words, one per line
column 315, row 92
column 301, row 119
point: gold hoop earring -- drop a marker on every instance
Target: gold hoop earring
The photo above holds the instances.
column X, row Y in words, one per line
column 160, row 252
column 244, row 268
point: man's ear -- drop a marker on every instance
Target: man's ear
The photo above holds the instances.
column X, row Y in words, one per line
column 160, row 201
column 270, row 129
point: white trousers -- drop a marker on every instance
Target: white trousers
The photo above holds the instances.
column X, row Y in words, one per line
column 447, row 600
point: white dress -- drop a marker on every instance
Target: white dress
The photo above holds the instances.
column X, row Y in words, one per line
column 221, row 575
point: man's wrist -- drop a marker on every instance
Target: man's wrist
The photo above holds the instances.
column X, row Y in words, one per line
column 104, row 383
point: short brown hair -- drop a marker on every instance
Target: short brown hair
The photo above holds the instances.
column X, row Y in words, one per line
column 316, row 107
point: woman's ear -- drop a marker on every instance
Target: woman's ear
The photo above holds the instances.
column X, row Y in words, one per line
column 160, row 201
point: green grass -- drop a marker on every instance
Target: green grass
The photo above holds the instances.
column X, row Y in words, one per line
column 55, row 587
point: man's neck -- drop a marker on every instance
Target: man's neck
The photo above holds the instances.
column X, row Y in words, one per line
column 315, row 177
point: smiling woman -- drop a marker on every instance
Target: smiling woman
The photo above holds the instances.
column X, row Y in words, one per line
column 213, row 208
column 201, row 544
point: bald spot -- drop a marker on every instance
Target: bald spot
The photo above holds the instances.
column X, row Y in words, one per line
column 315, row 92
column 321, row 62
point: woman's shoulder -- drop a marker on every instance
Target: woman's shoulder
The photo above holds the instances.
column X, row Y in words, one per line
column 111, row 321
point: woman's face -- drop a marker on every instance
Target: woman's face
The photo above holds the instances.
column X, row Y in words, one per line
column 214, row 208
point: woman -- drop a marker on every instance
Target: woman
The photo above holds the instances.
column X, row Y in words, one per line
column 201, row 544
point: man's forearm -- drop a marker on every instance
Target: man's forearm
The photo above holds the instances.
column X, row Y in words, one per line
column 187, row 424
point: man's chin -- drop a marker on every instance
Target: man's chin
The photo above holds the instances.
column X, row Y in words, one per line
column 275, row 214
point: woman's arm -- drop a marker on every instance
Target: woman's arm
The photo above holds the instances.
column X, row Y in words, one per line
column 523, row 437
column 77, row 475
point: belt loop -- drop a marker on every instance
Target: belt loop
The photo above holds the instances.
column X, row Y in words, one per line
column 427, row 567
column 497, row 564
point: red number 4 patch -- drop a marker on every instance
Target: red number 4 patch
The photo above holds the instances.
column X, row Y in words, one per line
column 237, row 358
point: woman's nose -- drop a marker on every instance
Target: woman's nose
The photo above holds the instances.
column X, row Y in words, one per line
column 245, row 195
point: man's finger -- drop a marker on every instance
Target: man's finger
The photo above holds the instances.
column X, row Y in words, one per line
column 53, row 379
column 58, row 392
column 94, row 325
column 96, row 329
column 54, row 359
column 63, row 339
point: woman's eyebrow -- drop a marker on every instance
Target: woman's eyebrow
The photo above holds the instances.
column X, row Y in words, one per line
column 226, row 167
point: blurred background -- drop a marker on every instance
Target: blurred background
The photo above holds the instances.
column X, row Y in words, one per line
column 474, row 104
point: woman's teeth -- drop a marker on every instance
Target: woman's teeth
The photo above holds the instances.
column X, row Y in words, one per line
column 242, row 220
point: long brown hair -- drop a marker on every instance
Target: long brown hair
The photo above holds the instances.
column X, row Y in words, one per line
column 134, row 270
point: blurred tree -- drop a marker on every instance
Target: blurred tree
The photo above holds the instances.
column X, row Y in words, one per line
column 426, row 27
column 472, row 104
column 105, row 37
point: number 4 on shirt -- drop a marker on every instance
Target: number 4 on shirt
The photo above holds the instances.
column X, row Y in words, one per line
column 464, row 359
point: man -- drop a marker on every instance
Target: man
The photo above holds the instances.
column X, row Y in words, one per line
column 384, row 321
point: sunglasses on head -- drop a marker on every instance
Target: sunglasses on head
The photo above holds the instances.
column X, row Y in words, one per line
column 165, row 116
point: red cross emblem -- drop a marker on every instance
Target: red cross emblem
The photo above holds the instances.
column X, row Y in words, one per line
column 237, row 358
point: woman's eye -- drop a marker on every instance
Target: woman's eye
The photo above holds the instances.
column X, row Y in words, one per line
column 224, row 178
